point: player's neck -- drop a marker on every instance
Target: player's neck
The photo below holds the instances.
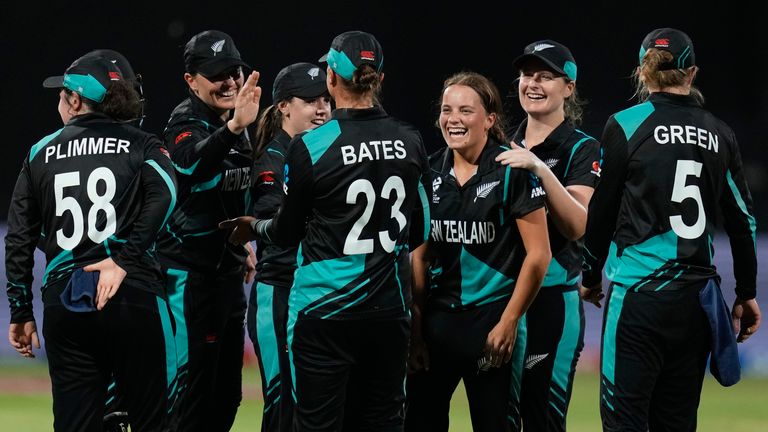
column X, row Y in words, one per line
column 539, row 127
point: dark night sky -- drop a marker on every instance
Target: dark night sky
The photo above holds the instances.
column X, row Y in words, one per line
column 423, row 43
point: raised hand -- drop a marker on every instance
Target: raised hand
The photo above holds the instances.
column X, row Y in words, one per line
column 246, row 104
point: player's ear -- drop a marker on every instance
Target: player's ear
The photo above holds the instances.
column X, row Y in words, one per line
column 331, row 78
column 75, row 101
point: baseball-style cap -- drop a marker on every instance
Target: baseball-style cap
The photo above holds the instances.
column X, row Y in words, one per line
column 673, row 41
column 122, row 63
column 89, row 76
column 303, row 80
column 352, row 49
column 555, row 55
column 211, row 53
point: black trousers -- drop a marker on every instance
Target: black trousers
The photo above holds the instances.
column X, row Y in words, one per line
column 349, row 374
column 654, row 355
column 210, row 312
column 129, row 341
column 456, row 340
column 555, row 340
column 267, row 320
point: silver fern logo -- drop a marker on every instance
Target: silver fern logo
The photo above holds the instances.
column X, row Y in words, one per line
column 534, row 359
column 218, row 46
column 551, row 162
column 542, row 47
column 484, row 189
column 313, row 73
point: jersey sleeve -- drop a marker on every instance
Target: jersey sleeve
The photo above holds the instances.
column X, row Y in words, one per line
column 196, row 148
column 267, row 191
column 583, row 167
column 523, row 192
column 419, row 222
column 604, row 205
column 739, row 224
column 289, row 224
column 158, row 184
column 24, row 224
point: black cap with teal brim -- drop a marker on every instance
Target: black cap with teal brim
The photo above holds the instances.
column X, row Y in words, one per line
column 555, row 55
column 352, row 49
column 89, row 76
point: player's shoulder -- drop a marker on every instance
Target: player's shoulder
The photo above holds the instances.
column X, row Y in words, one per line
column 43, row 142
column 581, row 138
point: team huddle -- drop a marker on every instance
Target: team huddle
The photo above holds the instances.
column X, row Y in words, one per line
column 380, row 276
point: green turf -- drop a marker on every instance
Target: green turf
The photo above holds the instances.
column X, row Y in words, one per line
column 737, row 409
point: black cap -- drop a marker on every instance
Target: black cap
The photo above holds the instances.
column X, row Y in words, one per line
column 125, row 67
column 555, row 55
column 211, row 53
column 352, row 49
column 303, row 80
column 673, row 41
column 89, row 76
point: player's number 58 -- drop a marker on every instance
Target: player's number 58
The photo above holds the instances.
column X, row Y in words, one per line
column 99, row 202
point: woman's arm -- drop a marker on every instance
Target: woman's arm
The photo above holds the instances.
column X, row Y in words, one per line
column 533, row 230
column 567, row 205
column 418, row 357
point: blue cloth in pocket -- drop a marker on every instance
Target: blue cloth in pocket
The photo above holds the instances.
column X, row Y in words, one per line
column 80, row 293
column 724, row 361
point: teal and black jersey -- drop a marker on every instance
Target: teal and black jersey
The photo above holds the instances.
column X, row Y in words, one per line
column 96, row 188
column 356, row 202
column 275, row 264
column 574, row 158
column 670, row 170
column 476, row 247
column 213, row 167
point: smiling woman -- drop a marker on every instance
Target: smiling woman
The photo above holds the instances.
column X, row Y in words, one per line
column 211, row 152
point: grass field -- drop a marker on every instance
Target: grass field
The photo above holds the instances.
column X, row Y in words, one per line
column 743, row 408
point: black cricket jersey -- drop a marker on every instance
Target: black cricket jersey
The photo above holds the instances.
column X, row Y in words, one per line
column 213, row 168
column 96, row 188
column 476, row 248
column 574, row 158
column 356, row 201
column 670, row 169
column 275, row 264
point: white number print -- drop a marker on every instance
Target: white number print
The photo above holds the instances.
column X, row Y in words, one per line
column 681, row 192
column 353, row 244
column 100, row 203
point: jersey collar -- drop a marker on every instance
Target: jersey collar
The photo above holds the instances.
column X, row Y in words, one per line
column 677, row 99
column 358, row 114
column 558, row 137
column 486, row 161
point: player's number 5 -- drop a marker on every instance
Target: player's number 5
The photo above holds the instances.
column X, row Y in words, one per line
column 101, row 202
column 683, row 191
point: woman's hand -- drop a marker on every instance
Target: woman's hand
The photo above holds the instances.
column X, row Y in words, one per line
column 241, row 229
column 111, row 276
column 418, row 354
column 246, row 105
column 520, row 157
column 592, row 294
column 501, row 342
column 23, row 336
column 250, row 264
column 746, row 318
